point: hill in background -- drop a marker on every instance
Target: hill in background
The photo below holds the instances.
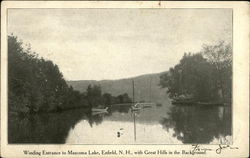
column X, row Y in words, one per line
column 117, row 87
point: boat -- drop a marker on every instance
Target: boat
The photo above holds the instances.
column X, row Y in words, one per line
column 148, row 105
column 138, row 106
column 99, row 109
column 183, row 100
column 134, row 108
column 99, row 112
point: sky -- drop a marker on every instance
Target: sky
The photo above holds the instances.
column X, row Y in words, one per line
column 97, row 44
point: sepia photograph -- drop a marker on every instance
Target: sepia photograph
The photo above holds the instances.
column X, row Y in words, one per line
column 131, row 75
column 121, row 76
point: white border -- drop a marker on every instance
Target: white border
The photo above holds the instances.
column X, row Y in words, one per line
column 240, row 78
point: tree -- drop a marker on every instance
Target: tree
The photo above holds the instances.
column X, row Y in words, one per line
column 220, row 57
column 201, row 76
column 107, row 99
column 189, row 77
column 35, row 84
column 94, row 95
column 124, row 98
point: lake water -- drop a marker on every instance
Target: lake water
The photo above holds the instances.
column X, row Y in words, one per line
column 166, row 124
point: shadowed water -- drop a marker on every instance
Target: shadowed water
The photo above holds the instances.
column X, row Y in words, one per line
column 164, row 124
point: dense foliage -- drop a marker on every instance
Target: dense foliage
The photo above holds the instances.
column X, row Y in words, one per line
column 204, row 76
column 37, row 85
column 95, row 97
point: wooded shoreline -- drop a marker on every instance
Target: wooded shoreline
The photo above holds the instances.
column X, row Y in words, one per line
column 36, row 85
column 202, row 77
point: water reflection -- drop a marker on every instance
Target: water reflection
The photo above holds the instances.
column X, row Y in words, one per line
column 121, row 125
column 145, row 134
column 200, row 124
column 43, row 128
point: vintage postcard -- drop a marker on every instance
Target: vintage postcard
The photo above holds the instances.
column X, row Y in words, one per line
column 124, row 79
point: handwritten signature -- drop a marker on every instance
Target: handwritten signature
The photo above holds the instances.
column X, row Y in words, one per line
column 222, row 147
column 198, row 149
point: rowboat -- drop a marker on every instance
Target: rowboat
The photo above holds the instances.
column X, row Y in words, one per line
column 148, row 105
column 134, row 108
column 99, row 112
column 99, row 109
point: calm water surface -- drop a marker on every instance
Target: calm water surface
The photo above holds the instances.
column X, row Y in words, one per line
column 164, row 124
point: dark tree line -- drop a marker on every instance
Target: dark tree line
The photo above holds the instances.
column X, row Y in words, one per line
column 204, row 76
column 95, row 97
column 37, row 85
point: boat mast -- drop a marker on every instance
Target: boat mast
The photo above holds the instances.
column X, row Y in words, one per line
column 133, row 87
column 150, row 89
